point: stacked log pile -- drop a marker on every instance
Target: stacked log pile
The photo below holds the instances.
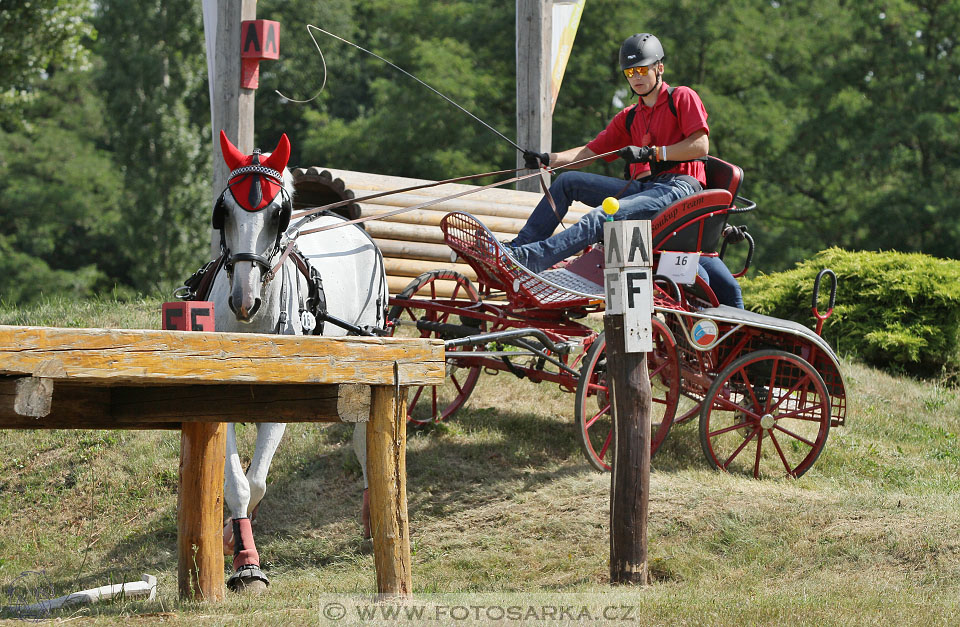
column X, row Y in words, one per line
column 412, row 242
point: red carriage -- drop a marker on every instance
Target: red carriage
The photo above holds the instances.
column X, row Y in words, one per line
column 766, row 390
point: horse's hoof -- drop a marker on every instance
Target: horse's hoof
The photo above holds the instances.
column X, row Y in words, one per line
column 248, row 580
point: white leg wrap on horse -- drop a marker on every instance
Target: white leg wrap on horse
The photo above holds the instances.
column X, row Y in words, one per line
column 268, row 439
column 360, row 449
column 236, row 490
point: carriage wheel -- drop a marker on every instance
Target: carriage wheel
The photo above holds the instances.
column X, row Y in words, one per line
column 427, row 404
column 594, row 418
column 766, row 414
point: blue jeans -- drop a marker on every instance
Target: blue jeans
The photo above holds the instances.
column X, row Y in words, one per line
column 538, row 250
column 721, row 281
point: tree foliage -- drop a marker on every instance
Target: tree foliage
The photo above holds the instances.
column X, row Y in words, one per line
column 843, row 115
column 36, row 39
column 155, row 73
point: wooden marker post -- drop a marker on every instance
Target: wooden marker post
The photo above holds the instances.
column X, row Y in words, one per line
column 627, row 324
column 200, row 495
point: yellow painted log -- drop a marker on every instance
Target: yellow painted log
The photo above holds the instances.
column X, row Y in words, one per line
column 143, row 357
column 384, row 229
column 440, row 253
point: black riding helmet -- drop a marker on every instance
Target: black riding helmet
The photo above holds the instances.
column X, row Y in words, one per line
column 640, row 49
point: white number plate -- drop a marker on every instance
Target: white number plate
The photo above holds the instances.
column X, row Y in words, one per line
column 681, row 267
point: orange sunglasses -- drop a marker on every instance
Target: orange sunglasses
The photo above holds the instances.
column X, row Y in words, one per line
column 642, row 70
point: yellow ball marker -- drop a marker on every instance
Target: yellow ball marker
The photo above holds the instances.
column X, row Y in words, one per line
column 610, row 206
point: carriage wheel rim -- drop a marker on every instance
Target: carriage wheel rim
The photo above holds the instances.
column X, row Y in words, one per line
column 791, row 396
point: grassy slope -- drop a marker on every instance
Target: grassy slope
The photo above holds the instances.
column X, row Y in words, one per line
column 502, row 501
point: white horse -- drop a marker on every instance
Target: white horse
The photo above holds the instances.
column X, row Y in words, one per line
column 253, row 216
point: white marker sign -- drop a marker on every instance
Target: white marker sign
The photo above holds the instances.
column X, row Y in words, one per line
column 680, row 267
column 628, row 278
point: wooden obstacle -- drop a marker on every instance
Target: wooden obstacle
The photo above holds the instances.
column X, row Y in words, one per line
column 54, row 378
column 412, row 242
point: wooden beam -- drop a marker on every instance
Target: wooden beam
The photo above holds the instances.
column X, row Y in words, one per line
column 224, row 403
column 146, row 357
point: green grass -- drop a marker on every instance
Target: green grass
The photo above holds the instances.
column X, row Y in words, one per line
column 502, row 503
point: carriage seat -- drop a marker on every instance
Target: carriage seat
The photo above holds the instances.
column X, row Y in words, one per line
column 695, row 223
column 496, row 269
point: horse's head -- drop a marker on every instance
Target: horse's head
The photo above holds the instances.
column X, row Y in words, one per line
column 252, row 214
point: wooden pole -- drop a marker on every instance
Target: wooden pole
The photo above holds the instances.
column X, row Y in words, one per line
column 200, row 511
column 630, row 479
column 387, row 471
column 232, row 105
column 534, row 107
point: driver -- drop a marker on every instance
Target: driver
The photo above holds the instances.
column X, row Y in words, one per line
column 664, row 148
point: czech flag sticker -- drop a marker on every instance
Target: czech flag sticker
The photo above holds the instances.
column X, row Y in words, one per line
column 704, row 333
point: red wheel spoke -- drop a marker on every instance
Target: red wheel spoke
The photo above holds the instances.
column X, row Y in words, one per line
column 416, row 396
column 721, row 402
column 794, row 435
column 771, row 387
column 596, row 416
column 742, row 425
column 739, row 448
column 658, row 369
column 799, row 413
column 606, row 444
column 596, row 387
column 783, row 458
column 756, row 462
column 789, row 393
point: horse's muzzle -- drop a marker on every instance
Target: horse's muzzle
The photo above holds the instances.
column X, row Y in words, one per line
column 242, row 313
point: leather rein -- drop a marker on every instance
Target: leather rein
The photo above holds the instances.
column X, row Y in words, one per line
column 291, row 241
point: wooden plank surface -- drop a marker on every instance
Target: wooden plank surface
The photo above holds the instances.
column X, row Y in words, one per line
column 145, row 357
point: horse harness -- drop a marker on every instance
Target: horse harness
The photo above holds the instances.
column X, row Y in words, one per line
column 313, row 309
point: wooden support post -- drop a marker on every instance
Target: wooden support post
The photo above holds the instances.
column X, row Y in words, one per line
column 232, row 107
column 387, row 471
column 534, row 109
column 630, row 479
column 200, row 511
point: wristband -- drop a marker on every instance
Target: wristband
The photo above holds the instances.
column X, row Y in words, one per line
column 656, row 153
column 664, row 148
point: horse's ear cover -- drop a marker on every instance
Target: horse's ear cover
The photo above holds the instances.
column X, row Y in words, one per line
column 235, row 159
column 231, row 154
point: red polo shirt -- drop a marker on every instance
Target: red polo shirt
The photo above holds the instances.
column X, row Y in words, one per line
column 657, row 126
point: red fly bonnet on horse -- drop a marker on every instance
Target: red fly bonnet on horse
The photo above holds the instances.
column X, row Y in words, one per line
column 255, row 181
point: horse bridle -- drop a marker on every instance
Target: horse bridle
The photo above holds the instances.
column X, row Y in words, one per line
column 284, row 212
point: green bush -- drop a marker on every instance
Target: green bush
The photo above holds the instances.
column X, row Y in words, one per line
column 897, row 311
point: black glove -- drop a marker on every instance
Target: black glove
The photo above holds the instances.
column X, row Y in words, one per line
column 636, row 154
column 532, row 160
column 734, row 234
